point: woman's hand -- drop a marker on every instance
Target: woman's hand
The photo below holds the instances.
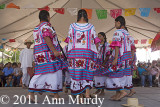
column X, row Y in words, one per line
column 114, row 61
column 56, row 53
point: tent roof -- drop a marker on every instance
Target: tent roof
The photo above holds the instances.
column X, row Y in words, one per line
column 19, row 23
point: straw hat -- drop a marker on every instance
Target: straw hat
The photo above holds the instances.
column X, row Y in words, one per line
column 28, row 41
column 132, row 102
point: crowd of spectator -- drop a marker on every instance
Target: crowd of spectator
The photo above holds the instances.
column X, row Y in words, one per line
column 10, row 74
column 147, row 74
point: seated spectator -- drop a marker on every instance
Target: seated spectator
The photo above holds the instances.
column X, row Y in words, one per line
column 17, row 74
column 143, row 73
column 155, row 71
column 7, row 75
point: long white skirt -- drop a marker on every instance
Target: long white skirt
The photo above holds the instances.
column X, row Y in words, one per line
column 128, row 83
column 78, row 87
column 99, row 82
column 67, row 79
column 50, row 82
column 115, row 84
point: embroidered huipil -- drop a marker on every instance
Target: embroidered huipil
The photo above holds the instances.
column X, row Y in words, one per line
column 82, row 52
column 45, row 61
column 121, row 39
column 100, row 57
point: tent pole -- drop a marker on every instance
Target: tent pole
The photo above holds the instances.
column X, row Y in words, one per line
column 143, row 29
column 139, row 32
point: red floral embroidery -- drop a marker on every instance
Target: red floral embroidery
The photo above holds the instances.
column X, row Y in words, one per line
column 70, row 63
column 82, row 36
column 92, row 65
column 97, row 66
column 79, row 63
column 114, row 67
column 130, row 62
column 40, row 58
column 53, row 57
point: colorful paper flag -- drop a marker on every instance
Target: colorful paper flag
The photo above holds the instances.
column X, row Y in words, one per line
column 135, row 41
column 59, row 10
column 115, row 13
column 72, row 11
column 4, row 39
column 143, row 41
column 145, row 11
column 12, row 40
column 130, row 11
column 157, row 10
column 45, row 8
column 101, row 14
column 150, row 41
column 89, row 13
column 2, row 6
column 11, row 5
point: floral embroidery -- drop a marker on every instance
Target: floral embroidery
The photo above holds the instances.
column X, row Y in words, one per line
column 92, row 65
column 82, row 36
column 114, row 67
column 37, row 40
column 40, row 58
column 79, row 63
column 53, row 57
column 70, row 63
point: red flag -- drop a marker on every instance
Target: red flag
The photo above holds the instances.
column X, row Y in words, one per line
column 12, row 40
column 11, row 5
column 157, row 10
column 45, row 8
column 115, row 13
column 143, row 41
column 59, row 10
column 136, row 41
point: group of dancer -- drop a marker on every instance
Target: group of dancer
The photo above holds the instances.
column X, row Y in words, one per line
column 87, row 59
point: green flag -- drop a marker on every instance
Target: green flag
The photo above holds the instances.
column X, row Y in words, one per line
column 2, row 6
column 101, row 14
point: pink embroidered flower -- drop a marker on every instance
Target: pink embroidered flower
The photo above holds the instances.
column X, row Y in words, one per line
column 40, row 58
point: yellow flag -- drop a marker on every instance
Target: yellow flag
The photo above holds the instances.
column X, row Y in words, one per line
column 150, row 41
column 130, row 11
column 110, row 42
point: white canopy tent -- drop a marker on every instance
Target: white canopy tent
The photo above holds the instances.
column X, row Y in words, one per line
column 19, row 23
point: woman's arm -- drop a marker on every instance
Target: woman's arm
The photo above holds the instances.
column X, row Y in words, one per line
column 50, row 45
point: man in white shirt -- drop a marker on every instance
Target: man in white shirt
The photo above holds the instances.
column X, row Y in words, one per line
column 26, row 59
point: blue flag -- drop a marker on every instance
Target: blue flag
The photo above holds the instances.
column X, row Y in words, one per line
column 145, row 11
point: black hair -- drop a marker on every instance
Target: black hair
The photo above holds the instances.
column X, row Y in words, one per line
column 121, row 19
column 14, row 64
column 82, row 13
column 43, row 15
column 104, row 35
column 126, row 28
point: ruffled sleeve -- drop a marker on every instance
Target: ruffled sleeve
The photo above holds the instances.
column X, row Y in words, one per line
column 47, row 31
column 94, row 35
column 67, row 40
column 116, row 41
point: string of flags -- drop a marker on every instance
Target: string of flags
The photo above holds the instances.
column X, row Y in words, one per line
column 101, row 14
